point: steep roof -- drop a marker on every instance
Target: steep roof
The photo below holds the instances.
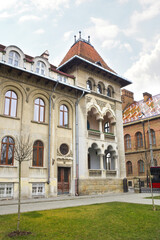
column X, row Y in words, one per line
column 85, row 50
column 141, row 109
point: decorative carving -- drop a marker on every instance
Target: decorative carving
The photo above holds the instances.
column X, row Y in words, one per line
column 113, row 107
column 101, row 103
column 69, row 155
column 88, row 99
column 27, row 89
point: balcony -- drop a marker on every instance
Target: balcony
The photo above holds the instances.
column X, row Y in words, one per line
column 109, row 135
column 93, row 132
column 95, row 173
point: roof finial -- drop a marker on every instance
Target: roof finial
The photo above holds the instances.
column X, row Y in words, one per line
column 88, row 39
column 79, row 34
column 74, row 38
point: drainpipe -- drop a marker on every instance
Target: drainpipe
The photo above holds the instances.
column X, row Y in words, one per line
column 49, row 134
column 77, row 145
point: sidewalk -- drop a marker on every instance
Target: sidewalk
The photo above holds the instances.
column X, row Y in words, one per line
column 10, row 206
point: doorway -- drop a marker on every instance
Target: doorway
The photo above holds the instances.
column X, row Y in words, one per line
column 63, row 180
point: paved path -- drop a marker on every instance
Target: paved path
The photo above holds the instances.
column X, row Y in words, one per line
column 10, row 206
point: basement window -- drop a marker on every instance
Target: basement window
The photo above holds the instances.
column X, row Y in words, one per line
column 38, row 189
column 6, row 190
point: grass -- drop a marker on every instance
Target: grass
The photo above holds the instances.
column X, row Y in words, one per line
column 155, row 197
column 110, row 221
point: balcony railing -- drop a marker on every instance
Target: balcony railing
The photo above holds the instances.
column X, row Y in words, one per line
column 92, row 132
column 95, row 173
column 109, row 135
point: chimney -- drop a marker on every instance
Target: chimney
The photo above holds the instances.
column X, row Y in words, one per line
column 45, row 54
column 146, row 96
column 88, row 39
column 127, row 98
column 74, row 38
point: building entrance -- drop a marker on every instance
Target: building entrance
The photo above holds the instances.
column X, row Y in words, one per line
column 63, row 180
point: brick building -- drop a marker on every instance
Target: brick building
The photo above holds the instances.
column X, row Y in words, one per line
column 138, row 116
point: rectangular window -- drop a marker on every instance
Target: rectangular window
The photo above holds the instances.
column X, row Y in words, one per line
column 38, row 189
column 6, row 190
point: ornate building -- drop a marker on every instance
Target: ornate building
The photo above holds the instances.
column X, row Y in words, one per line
column 138, row 117
column 73, row 114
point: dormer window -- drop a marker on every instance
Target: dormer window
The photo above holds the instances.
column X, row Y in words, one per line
column 98, row 63
column 40, row 68
column 62, row 78
column 13, row 58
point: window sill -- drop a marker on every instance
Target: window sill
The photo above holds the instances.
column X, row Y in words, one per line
column 7, row 166
column 64, row 127
column 6, row 116
column 36, row 167
column 43, row 123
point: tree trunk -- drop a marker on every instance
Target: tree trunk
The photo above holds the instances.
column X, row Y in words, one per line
column 19, row 197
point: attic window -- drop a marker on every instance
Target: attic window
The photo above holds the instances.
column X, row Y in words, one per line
column 98, row 63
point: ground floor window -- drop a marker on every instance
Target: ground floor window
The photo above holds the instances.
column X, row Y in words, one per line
column 6, row 190
column 38, row 189
column 129, row 183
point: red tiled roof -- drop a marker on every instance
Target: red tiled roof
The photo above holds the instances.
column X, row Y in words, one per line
column 86, row 51
column 141, row 110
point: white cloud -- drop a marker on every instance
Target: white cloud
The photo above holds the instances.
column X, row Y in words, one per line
column 123, row 1
column 145, row 73
column 104, row 31
column 67, row 35
column 50, row 4
column 126, row 46
column 29, row 18
column 5, row 15
column 78, row 2
column 7, row 4
column 150, row 9
column 39, row 31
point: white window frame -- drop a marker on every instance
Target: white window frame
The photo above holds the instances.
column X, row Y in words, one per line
column 6, row 193
column 41, row 68
column 37, row 187
column 14, row 59
column 62, row 78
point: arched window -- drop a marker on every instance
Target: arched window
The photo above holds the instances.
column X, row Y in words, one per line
column 140, row 166
column 88, row 125
column 63, row 116
column 108, row 92
column 38, row 150
column 154, row 162
column 153, row 137
column 10, row 107
column 89, row 85
column 40, row 68
column 139, row 139
column 129, row 167
column 39, row 110
column 99, row 89
column 127, row 141
column 7, row 151
column 14, row 58
column 108, row 161
column 107, row 127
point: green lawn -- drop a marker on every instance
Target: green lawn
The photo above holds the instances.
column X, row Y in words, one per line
column 110, row 221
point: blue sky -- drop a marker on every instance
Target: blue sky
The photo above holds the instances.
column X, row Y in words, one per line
column 126, row 33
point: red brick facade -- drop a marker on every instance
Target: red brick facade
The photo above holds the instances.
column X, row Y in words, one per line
column 136, row 139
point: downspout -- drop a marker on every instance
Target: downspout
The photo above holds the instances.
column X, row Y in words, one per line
column 49, row 131
column 77, row 144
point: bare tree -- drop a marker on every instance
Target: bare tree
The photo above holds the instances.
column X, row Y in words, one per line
column 23, row 152
column 148, row 164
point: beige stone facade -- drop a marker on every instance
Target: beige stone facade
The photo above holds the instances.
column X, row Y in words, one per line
column 73, row 153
